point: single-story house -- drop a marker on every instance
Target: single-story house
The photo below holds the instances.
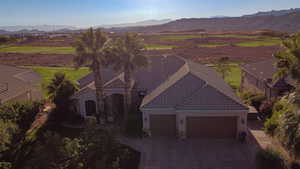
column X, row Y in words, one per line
column 18, row 84
column 258, row 77
column 177, row 98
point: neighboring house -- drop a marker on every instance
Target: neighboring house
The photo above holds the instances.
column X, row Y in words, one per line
column 18, row 84
column 258, row 77
column 176, row 98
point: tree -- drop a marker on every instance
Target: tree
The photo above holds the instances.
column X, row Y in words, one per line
column 59, row 91
column 288, row 59
column 91, row 48
column 288, row 63
column 128, row 57
column 222, row 66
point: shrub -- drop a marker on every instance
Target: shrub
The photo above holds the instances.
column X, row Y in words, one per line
column 270, row 159
column 289, row 131
column 257, row 100
column 271, row 124
column 247, row 96
column 266, row 108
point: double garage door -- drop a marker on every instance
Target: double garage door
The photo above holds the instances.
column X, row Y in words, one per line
column 196, row 127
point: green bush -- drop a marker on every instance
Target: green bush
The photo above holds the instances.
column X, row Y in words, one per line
column 272, row 123
column 270, row 159
column 247, row 96
column 289, row 131
column 266, row 108
column 257, row 100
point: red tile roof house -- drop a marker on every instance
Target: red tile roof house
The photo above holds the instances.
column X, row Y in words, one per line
column 177, row 98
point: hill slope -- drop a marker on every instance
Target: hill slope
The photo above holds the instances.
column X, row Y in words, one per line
column 288, row 22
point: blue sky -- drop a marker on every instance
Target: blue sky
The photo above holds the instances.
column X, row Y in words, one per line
column 98, row 12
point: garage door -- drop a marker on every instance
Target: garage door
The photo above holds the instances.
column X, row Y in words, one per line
column 211, row 127
column 163, row 125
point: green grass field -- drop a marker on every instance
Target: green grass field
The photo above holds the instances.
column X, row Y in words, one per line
column 234, row 77
column 38, row 49
column 158, row 47
column 268, row 42
column 47, row 74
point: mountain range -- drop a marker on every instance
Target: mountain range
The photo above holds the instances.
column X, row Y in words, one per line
column 284, row 22
column 281, row 20
column 142, row 23
column 274, row 12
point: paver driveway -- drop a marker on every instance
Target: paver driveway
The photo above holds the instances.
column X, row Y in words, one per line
column 162, row 153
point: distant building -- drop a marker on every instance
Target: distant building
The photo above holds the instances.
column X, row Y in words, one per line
column 258, row 77
column 18, row 84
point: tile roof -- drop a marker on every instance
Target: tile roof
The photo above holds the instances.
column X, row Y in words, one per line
column 193, row 86
column 107, row 73
column 175, row 82
column 263, row 70
column 17, row 80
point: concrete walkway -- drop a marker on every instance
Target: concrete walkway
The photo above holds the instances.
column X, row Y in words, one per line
column 163, row 153
column 257, row 135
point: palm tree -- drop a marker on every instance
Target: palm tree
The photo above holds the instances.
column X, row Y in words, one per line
column 128, row 57
column 288, row 59
column 59, row 90
column 288, row 63
column 223, row 67
column 91, row 48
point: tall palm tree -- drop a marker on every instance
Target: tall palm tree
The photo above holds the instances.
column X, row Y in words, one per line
column 288, row 59
column 59, row 90
column 91, row 48
column 288, row 63
column 128, row 57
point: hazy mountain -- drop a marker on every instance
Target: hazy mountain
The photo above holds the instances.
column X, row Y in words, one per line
column 142, row 23
column 288, row 22
column 220, row 16
column 3, row 32
column 274, row 12
column 46, row 28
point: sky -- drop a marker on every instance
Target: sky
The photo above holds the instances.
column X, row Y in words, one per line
column 84, row 13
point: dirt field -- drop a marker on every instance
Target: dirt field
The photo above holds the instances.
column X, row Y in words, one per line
column 21, row 59
column 203, row 48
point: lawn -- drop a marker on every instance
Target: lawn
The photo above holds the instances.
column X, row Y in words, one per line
column 47, row 74
column 234, row 77
column 38, row 49
column 158, row 47
column 269, row 42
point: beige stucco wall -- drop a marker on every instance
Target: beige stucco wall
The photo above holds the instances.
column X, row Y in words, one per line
column 181, row 117
column 90, row 94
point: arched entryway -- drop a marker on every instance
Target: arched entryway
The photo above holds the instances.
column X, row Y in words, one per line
column 90, row 107
column 114, row 107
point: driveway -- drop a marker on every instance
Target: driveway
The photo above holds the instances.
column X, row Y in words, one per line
column 163, row 153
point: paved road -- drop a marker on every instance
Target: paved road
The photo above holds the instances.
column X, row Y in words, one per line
column 162, row 153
